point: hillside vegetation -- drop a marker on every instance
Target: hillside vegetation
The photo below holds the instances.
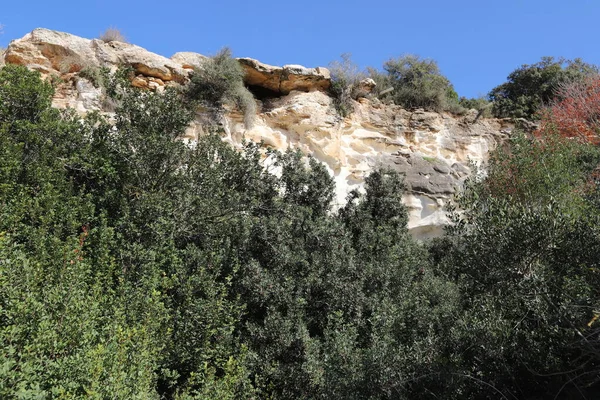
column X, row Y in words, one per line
column 136, row 266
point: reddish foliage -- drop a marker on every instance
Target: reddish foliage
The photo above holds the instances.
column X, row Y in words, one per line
column 577, row 112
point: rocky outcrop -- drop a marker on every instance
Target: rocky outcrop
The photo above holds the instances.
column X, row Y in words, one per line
column 57, row 52
column 364, row 88
column 51, row 52
column 283, row 80
column 189, row 60
column 432, row 150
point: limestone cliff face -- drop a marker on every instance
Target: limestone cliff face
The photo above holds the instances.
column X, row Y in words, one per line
column 432, row 150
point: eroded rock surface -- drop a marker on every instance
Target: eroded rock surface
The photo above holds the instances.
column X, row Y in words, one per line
column 57, row 52
column 283, row 80
column 432, row 150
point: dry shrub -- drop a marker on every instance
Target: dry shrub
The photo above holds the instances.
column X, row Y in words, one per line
column 345, row 79
column 575, row 112
column 113, row 34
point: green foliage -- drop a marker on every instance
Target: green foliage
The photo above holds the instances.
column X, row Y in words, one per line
column 543, row 170
column 104, row 291
column 481, row 104
column 524, row 253
column 332, row 303
column 64, row 326
column 529, row 87
column 220, row 81
column 22, row 96
column 94, row 74
column 418, row 83
column 134, row 265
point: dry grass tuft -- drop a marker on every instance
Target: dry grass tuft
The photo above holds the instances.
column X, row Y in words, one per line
column 113, row 34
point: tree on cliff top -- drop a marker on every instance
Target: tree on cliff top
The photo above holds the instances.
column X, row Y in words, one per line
column 417, row 83
column 529, row 87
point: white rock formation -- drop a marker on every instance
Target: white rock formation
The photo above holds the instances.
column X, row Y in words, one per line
column 433, row 150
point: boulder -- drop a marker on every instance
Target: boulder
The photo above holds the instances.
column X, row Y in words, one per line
column 283, row 80
column 364, row 88
column 143, row 61
column 46, row 50
column 189, row 60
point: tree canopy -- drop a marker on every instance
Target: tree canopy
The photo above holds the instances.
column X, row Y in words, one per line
column 134, row 265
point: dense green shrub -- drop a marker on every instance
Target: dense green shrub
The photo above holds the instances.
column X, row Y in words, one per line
column 65, row 325
column 418, row 83
column 103, row 292
column 529, row 87
column 524, row 251
column 219, row 81
column 135, row 266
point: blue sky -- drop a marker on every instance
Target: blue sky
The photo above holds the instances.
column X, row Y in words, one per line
column 476, row 43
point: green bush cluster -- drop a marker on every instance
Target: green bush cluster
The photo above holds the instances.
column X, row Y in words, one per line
column 529, row 87
column 414, row 82
column 135, row 266
column 219, row 81
column 417, row 83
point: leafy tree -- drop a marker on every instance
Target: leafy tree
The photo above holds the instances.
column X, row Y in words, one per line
column 529, row 87
column 481, row 104
column 108, row 288
column 418, row 83
column 524, row 253
column 342, row 307
column 63, row 323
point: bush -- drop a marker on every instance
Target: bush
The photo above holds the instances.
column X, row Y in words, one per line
column 418, row 83
column 219, row 82
column 529, row 87
column 481, row 104
column 22, row 95
column 576, row 111
column 113, row 34
column 345, row 78
column 524, row 252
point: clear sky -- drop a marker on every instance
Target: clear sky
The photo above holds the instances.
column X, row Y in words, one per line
column 476, row 43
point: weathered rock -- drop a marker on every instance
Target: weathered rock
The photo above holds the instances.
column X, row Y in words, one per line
column 142, row 61
column 364, row 88
column 144, row 82
column 432, row 150
column 51, row 51
column 188, row 60
column 46, row 50
column 286, row 79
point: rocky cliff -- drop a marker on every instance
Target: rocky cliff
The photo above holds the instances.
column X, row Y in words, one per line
column 294, row 110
